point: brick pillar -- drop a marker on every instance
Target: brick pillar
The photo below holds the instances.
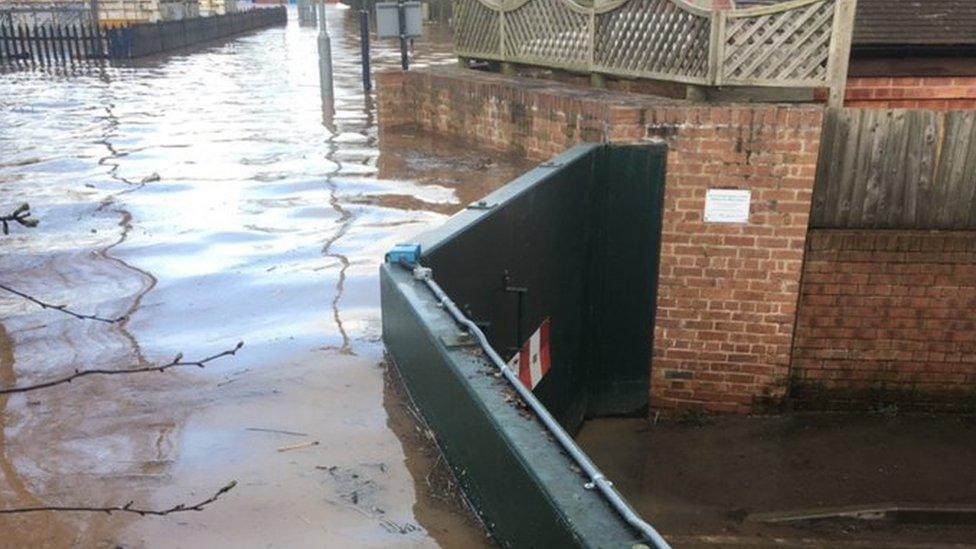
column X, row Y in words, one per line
column 728, row 293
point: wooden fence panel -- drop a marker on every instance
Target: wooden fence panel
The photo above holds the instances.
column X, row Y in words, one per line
column 896, row 169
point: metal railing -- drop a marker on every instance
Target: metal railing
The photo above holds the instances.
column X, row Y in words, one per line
column 795, row 44
column 45, row 45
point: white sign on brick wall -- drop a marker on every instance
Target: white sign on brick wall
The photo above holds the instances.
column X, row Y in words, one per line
column 727, row 206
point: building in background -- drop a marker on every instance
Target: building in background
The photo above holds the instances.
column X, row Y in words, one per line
column 218, row 7
column 113, row 12
column 146, row 11
column 110, row 12
column 910, row 53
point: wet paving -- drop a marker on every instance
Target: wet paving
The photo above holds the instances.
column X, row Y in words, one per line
column 204, row 197
column 711, row 481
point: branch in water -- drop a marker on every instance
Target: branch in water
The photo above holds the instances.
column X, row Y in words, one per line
column 127, row 508
column 60, row 308
column 177, row 361
column 21, row 215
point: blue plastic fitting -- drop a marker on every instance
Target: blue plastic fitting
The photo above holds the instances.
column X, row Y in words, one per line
column 407, row 255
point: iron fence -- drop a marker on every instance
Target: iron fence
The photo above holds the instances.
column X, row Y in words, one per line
column 49, row 44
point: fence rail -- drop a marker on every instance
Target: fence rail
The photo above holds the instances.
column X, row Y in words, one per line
column 58, row 44
column 896, row 169
column 800, row 43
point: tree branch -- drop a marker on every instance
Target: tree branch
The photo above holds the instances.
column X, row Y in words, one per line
column 127, row 508
column 177, row 361
column 21, row 215
column 60, row 308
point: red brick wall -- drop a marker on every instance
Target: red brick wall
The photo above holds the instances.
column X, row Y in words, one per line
column 928, row 92
column 887, row 318
column 727, row 293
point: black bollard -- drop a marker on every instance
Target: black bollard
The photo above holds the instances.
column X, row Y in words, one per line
column 402, row 18
column 364, row 45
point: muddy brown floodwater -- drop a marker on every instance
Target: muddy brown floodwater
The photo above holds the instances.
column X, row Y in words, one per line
column 704, row 481
column 266, row 225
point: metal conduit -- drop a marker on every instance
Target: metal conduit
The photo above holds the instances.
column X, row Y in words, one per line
column 597, row 480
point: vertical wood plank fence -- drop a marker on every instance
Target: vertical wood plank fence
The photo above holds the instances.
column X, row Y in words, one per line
column 896, row 169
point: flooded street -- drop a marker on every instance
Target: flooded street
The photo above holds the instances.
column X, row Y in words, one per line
column 710, row 481
column 204, row 197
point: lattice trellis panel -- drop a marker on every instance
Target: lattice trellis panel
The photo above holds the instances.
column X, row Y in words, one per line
column 788, row 47
column 547, row 32
column 652, row 38
column 476, row 30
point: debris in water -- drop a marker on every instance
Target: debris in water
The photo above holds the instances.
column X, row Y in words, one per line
column 21, row 215
column 278, row 431
column 298, row 446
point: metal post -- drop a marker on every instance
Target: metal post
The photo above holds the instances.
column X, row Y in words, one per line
column 94, row 12
column 402, row 19
column 325, row 61
column 520, row 292
column 364, row 45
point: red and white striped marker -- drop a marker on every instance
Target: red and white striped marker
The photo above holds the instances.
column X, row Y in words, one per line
column 532, row 361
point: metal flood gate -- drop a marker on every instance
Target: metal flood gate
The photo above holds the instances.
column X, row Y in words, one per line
column 576, row 240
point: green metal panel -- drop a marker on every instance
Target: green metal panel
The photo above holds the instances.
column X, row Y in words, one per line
column 630, row 181
column 518, row 479
column 581, row 233
column 537, row 231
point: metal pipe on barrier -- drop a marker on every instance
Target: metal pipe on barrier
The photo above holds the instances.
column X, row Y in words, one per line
column 597, row 480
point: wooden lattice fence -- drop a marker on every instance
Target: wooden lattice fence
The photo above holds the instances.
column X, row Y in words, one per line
column 800, row 43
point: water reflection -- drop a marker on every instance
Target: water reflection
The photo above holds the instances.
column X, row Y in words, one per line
column 204, row 195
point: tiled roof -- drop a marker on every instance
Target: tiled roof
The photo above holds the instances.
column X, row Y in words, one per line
column 923, row 23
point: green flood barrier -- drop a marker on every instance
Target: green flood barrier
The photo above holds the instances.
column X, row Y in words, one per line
column 575, row 241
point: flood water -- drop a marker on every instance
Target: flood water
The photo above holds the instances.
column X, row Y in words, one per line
column 205, row 197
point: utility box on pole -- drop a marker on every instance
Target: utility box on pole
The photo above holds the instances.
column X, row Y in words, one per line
column 388, row 24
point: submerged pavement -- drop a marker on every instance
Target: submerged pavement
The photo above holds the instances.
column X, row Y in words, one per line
column 713, row 481
column 204, row 197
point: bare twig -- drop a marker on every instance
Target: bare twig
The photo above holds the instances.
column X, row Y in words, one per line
column 127, row 508
column 277, row 431
column 298, row 446
column 60, row 308
column 21, row 215
column 433, row 468
column 177, row 361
